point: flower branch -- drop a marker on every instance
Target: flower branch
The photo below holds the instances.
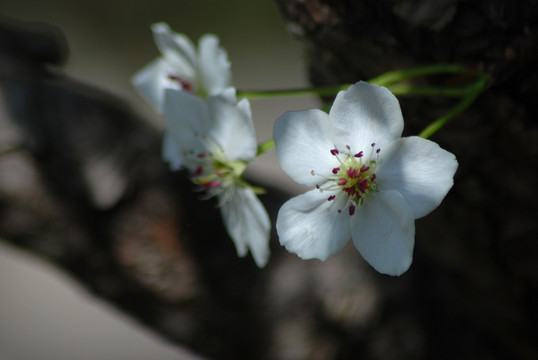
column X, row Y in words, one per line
column 474, row 91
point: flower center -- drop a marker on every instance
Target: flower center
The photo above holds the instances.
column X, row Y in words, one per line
column 215, row 174
column 354, row 178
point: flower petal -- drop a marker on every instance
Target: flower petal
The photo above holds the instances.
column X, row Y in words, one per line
column 310, row 226
column 418, row 169
column 177, row 49
column 248, row 224
column 152, row 80
column 303, row 143
column 215, row 74
column 187, row 118
column 366, row 114
column 232, row 128
column 171, row 152
column 384, row 232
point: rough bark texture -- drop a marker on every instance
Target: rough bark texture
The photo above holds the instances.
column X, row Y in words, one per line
column 476, row 277
column 90, row 193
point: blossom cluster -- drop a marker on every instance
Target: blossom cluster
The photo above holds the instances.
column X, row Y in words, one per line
column 369, row 183
column 208, row 131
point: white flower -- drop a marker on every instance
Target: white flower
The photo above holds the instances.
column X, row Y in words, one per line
column 371, row 184
column 206, row 72
column 214, row 139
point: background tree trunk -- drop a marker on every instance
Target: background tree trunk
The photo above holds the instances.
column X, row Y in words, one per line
column 475, row 276
column 98, row 202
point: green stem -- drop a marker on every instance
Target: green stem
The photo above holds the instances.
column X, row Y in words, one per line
column 265, row 146
column 388, row 79
column 474, row 92
column 320, row 91
column 408, row 89
column 395, row 76
column 396, row 89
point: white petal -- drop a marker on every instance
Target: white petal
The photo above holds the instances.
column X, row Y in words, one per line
column 215, row 74
column 187, row 118
column 152, row 80
column 229, row 95
column 419, row 170
column 303, row 143
column 310, row 226
column 366, row 114
column 171, row 152
column 384, row 232
column 232, row 128
column 177, row 49
column 248, row 225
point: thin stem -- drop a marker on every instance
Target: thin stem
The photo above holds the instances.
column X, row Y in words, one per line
column 408, row 89
column 395, row 76
column 474, row 92
column 265, row 146
column 388, row 79
column 320, row 91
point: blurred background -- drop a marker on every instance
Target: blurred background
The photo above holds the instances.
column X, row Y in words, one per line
column 43, row 313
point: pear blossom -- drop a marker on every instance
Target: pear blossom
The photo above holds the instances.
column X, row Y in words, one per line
column 214, row 139
column 371, row 184
column 204, row 71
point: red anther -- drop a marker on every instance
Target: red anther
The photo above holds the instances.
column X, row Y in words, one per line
column 359, row 154
column 353, row 173
column 332, row 197
column 211, row 184
column 342, row 181
column 335, row 152
column 336, row 170
column 364, row 168
column 351, row 209
column 350, row 191
column 202, row 155
column 363, row 185
column 184, row 84
column 372, row 178
column 199, row 170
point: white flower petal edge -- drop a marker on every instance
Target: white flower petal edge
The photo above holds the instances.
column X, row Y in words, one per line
column 304, row 145
column 215, row 74
column 232, row 127
column 152, row 80
column 384, row 232
column 177, row 49
column 420, row 170
column 171, row 152
column 187, row 116
column 309, row 226
column 248, row 224
column 366, row 114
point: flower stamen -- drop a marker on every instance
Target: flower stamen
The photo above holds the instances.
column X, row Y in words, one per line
column 355, row 176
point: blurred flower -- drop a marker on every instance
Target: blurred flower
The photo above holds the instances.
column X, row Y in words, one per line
column 371, row 184
column 205, row 72
column 214, row 139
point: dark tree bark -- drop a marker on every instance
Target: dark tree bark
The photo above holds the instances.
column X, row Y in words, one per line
column 475, row 276
column 98, row 202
